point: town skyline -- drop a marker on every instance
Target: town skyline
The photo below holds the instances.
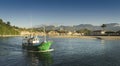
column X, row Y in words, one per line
column 23, row 13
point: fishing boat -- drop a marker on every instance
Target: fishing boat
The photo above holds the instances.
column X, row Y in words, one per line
column 32, row 43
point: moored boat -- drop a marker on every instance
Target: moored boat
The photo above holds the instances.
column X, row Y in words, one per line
column 33, row 43
column 43, row 46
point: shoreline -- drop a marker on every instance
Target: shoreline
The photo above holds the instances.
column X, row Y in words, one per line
column 90, row 37
column 9, row 35
column 81, row 37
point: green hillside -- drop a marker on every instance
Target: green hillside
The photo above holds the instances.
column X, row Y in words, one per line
column 7, row 29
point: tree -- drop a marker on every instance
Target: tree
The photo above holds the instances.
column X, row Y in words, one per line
column 103, row 26
column 1, row 20
column 8, row 23
column 83, row 31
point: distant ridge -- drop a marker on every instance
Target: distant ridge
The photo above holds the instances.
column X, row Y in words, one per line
column 110, row 27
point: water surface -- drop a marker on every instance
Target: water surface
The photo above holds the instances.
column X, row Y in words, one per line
column 67, row 52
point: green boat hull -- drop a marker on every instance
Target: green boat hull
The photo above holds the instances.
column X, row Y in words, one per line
column 44, row 46
column 40, row 47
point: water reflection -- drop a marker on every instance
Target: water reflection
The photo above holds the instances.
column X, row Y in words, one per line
column 3, row 50
column 102, row 41
column 39, row 59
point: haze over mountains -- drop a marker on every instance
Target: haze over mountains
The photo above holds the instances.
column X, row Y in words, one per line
column 109, row 27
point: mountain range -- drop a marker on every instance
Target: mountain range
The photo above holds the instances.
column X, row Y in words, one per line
column 109, row 27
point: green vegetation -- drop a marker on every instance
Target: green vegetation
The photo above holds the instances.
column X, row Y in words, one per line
column 86, row 31
column 7, row 29
column 103, row 26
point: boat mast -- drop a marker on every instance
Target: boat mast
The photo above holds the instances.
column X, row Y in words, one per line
column 31, row 34
column 44, row 34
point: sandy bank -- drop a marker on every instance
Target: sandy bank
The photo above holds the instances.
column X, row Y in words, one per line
column 9, row 35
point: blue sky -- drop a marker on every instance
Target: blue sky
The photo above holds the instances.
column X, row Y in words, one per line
column 59, row 12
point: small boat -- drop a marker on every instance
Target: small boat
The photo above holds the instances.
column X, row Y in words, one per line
column 32, row 43
column 37, row 47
